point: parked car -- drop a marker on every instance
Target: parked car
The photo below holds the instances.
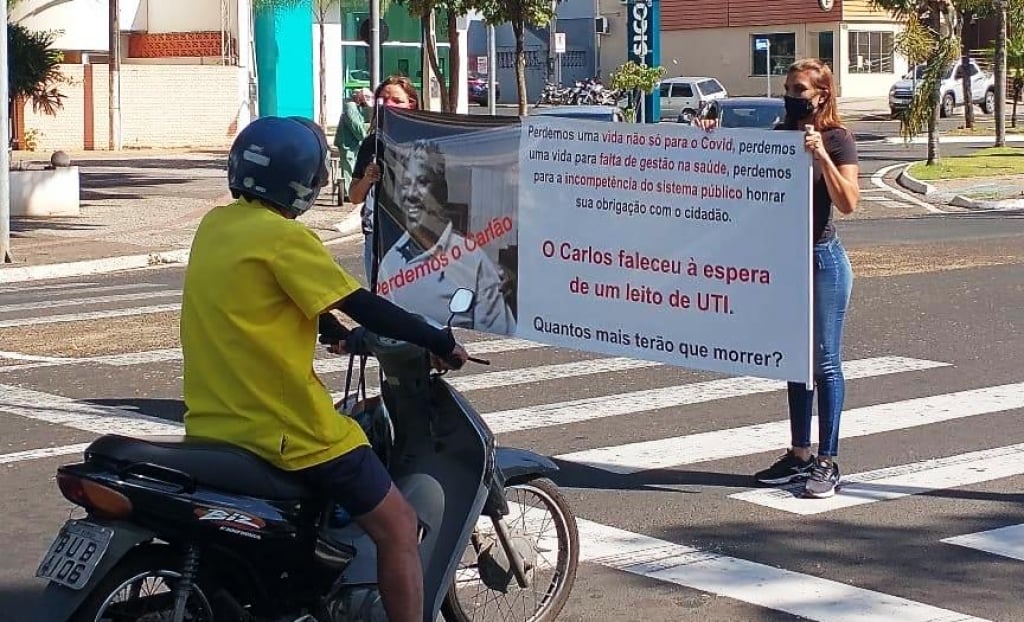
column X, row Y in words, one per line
column 750, row 112
column 592, row 113
column 951, row 90
column 679, row 95
column 477, row 89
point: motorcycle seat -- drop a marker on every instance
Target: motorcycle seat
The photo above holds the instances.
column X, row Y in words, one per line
column 215, row 464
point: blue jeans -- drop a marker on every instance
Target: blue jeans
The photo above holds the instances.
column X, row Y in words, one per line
column 833, row 282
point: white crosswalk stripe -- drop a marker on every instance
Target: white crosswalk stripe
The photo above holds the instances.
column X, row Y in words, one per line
column 820, row 598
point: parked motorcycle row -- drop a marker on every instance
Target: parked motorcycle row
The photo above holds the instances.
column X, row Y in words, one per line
column 180, row 530
column 583, row 93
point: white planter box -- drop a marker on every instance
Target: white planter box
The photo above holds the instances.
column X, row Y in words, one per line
column 53, row 192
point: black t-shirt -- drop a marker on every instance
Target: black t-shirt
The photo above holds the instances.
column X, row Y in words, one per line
column 363, row 158
column 842, row 149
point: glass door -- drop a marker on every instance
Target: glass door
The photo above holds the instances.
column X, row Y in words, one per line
column 401, row 50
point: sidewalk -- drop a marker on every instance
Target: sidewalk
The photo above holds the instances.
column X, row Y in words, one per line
column 137, row 209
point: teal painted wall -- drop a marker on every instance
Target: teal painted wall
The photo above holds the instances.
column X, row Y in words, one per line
column 284, row 61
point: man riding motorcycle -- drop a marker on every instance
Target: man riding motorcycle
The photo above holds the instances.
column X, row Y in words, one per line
column 256, row 286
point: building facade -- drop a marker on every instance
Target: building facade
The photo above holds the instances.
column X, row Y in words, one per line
column 185, row 80
column 580, row 61
column 719, row 39
column 347, row 58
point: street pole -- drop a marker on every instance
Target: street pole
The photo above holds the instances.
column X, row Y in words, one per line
column 114, row 76
column 552, row 30
column 492, row 71
column 375, row 77
column 1000, row 75
column 5, row 154
column 768, row 65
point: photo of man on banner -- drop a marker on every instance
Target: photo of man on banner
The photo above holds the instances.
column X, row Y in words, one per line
column 432, row 256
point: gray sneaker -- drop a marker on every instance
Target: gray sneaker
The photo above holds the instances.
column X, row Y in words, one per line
column 823, row 480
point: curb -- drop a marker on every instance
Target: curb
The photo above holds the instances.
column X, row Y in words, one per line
column 913, row 184
column 93, row 266
column 966, row 202
column 975, row 204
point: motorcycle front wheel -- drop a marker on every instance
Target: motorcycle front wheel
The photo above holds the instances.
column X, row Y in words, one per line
column 141, row 588
column 543, row 528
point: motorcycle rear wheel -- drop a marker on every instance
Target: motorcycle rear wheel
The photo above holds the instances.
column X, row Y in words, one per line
column 139, row 577
column 462, row 605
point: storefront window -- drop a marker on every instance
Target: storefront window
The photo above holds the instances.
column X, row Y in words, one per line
column 823, row 48
column 871, row 52
column 781, row 53
column 401, row 50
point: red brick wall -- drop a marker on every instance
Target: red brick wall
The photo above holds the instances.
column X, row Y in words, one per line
column 161, row 106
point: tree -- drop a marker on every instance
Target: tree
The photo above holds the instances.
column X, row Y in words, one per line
column 34, row 70
column 1015, row 63
column 637, row 80
column 519, row 13
column 930, row 34
column 967, row 11
column 320, row 10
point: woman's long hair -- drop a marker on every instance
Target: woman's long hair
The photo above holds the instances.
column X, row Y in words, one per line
column 399, row 81
column 827, row 115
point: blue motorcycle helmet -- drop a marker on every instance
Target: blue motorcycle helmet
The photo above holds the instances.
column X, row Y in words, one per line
column 280, row 160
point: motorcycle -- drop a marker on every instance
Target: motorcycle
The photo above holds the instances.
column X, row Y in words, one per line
column 179, row 529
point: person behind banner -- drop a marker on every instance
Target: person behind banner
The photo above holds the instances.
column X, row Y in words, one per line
column 352, row 128
column 431, row 260
column 394, row 92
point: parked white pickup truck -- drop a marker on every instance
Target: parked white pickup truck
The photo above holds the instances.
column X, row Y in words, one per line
column 951, row 90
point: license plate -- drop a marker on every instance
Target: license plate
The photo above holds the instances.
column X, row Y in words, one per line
column 75, row 553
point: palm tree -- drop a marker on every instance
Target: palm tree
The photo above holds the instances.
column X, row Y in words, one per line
column 930, row 34
column 33, row 70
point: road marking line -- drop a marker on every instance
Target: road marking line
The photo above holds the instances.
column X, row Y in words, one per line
column 46, row 452
column 764, row 437
column 486, row 346
column 575, row 411
column 44, row 287
column 878, row 179
column 512, row 377
column 1005, row 541
column 897, row 482
column 489, row 380
column 92, row 315
column 72, row 413
column 18, row 356
column 79, row 287
column 323, row 366
column 799, row 594
column 94, row 300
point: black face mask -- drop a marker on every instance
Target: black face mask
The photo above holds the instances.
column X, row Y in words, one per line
column 799, row 108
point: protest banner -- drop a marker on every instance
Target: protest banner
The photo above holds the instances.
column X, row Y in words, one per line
column 668, row 243
column 447, row 217
column 658, row 242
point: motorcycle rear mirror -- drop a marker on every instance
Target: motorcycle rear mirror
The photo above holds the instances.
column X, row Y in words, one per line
column 461, row 301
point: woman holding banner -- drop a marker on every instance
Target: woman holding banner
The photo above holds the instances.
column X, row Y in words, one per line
column 394, row 92
column 811, row 106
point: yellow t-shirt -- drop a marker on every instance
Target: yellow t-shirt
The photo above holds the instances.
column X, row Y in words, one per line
column 255, row 284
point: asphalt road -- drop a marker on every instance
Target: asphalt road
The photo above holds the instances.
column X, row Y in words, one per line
column 655, row 465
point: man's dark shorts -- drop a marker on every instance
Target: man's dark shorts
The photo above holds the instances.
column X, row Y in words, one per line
column 358, row 480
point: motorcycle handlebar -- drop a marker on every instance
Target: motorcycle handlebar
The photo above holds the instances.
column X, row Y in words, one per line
column 360, row 341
